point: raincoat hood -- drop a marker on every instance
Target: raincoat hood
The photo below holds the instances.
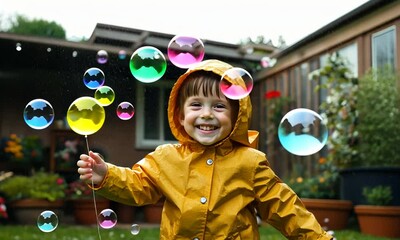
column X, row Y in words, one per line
column 240, row 133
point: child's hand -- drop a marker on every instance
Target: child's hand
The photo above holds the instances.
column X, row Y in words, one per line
column 92, row 166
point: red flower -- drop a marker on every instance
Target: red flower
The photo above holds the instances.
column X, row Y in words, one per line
column 60, row 181
column 272, row 94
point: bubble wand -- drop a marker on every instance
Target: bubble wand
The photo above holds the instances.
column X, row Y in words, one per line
column 86, row 116
column 93, row 193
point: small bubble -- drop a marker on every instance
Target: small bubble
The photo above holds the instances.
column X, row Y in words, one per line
column 135, row 229
column 47, row 221
column 107, row 219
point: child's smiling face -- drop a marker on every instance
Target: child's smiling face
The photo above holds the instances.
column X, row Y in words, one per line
column 208, row 120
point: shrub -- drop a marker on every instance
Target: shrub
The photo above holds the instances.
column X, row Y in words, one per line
column 41, row 185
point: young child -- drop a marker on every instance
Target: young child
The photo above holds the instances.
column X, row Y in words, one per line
column 214, row 181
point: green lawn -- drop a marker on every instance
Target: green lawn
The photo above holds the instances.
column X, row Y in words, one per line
column 17, row 232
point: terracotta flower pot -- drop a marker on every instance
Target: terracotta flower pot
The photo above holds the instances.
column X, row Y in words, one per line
column 152, row 213
column 382, row 221
column 27, row 211
column 84, row 211
column 332, row 214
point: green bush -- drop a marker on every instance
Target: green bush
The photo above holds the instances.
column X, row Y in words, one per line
column 41, row 185
column 379, row 113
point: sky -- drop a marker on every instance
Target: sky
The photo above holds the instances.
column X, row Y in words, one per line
column 218, row 20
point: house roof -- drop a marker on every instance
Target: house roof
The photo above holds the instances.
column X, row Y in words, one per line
column 132, row 39
column 52, row 53
column 353, row 15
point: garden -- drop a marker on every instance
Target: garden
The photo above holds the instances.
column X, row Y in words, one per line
column 355, row 180
column 73, row 232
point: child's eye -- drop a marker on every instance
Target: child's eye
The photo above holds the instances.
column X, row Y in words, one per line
column 195, row 104
column 220, row 106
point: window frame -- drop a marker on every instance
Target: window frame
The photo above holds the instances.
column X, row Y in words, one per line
column 140, row 141
column 374, row 62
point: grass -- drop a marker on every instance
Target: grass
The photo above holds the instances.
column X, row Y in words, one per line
column 72, row 232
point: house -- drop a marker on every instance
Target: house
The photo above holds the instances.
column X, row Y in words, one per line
column 35, row 67
column 368, row 36
column 52, row 69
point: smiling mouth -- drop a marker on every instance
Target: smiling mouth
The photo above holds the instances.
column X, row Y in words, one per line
column 206, row 127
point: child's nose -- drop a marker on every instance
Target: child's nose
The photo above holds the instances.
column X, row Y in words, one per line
column 207, row 113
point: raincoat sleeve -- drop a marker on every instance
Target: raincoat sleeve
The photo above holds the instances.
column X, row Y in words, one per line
column 134, row 186
column 279, row 205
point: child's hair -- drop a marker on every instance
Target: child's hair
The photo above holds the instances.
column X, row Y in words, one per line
column 206, row 83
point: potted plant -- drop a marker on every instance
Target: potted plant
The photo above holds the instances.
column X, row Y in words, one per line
column 378, row 217
column 153, row 212
column 83, row 203
column 320, row 195
column 378, row 161
column 27, row 196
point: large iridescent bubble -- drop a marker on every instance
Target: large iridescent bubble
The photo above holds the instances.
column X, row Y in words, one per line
column 38, row 114
column 105, row 95
column 85, row 115
column 147, row 64
column 302, row 132
column 236, row 83
column 94, row 78
column 184, row 51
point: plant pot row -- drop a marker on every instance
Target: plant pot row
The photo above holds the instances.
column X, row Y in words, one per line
column 26, row 211
column 381, row 221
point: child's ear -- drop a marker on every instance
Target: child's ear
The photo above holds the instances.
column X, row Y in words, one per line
column 181, row 119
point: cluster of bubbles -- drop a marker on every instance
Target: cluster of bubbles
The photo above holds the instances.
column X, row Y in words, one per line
column 301, row 131
column 47, row 221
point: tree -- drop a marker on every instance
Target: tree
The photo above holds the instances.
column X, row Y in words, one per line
column 37, row 27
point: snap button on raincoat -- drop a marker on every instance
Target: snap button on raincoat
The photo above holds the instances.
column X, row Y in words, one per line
column 212, row 192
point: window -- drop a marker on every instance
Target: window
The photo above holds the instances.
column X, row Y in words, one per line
column 152, row 127
column 304, row 85
column 350, row 54
column 384, row 48
column 323, row 93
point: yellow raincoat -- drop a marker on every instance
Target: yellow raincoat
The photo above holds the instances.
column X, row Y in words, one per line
column 212, row 192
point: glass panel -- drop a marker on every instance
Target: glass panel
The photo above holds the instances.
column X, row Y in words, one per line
column 323, row 92
column 151, row 112
column 383, row 48
column 304, row 85
column 350, row 54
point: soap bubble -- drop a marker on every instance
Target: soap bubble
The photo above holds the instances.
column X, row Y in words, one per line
column 38, row 114
column 85, row 115
column 302, row 132
column 107, row 218
column 18, row 47
column 122, row 54
column 236, row 83
column 47, row 221
column 102, row 56
column 184, row 51
column 105, row 95
column 125, row 111
column 93, row 78
column 135, row 229
column 147, row 64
